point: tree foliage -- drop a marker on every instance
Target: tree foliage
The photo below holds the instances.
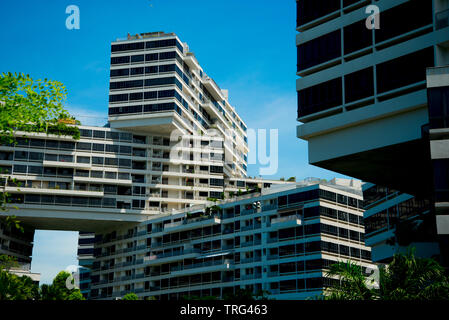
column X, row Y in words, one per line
column 58, row 289
column 406, row 277
column 28, row 105
column 130, row 296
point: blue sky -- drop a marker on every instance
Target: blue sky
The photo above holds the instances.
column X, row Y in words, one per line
column 248, row 47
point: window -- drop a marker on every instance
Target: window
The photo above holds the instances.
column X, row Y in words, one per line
column 83, row 146
column 309, row 10
column 159, row 81
column 151, row 69
column 319, row 50
column 320, row 97
column 119, row 73
column 126, row 137
column 97, row 147
column 112, row 135
column 97, row 161
column 80, row 159
column 356, row 37
column 124, row 163
column 67, row 145
column 404, row 18
column 123, row 176
column 127, row 46
column 359, row 85
column 35, row 170
column 37, row 143
column 96, row 174
column 397, row 73
column 125, row 150
column 111, row 162
column 21, row 155
column 112, row 148
column 119, row 60
column 52, row 144
column 49, row 171
column 109, row 189
column 135, row 96
column 137, row 58
column 18, row 168
column 99, row 134
column 110, row 175
column 65, row 158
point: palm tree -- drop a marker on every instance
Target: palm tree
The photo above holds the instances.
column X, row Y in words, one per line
column 405, row 278
column 351, row 283
column 411, row 278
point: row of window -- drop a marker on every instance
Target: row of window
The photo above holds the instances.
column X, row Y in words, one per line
column 120, row 85
column 142, row 70
column 141, row 58
column 155, row 44
column 390, row 75
column 396, row 21
column 318, row 194
column 156, row 107
column 147, row 95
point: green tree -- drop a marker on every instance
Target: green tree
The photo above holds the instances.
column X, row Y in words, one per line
column 13, row 287
column 28, row 105
column 292, row 179
column 406, row 277
column 130, row 296
column 58, row 289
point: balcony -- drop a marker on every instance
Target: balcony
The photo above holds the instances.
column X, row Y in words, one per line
column 203, row 267
column 286, row 222
column 189, row 224
column 171, row 257
column 64, row 164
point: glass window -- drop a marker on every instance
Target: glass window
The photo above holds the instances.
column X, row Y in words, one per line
column 65, row 158
column 86, row 133
column 35, row 170
column 67, row 145
column 99, row 134
column 110, row 175
column 18, row 168
column 52, row 144
column 123, row 176
column 110, row 161
column 97, row 147
column 112, row 135
column 125, row 150
column 112, row 148
column 49, row 171
column 96, row 174
column 36, row 156
column 51, row 157
column 97, row 161
column 124, row 163
column 81, row 159
column 84, row 146
column 21, row 155
column 38, row 143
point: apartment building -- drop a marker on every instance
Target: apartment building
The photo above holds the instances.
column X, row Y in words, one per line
column 172, row 141
column 362, row 92
column 395, row 221
column 281, row 240
column 438, row 97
